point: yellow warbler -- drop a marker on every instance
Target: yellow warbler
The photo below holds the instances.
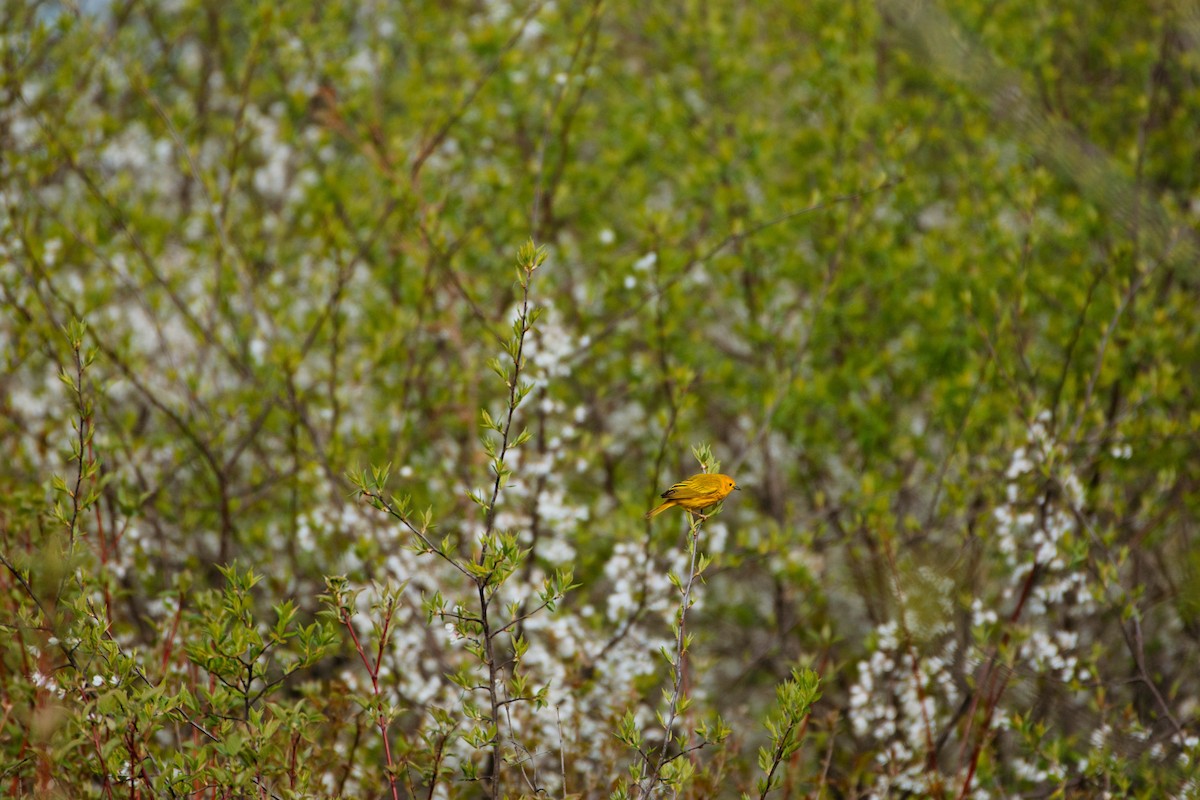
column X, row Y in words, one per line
column 696, row 493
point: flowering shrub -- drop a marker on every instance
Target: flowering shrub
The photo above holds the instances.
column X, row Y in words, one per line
column 345, row 346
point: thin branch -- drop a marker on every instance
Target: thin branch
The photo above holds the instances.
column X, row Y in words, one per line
column 677, row 667
column 404, row 520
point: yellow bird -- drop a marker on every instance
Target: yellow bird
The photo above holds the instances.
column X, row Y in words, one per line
column 696, row 493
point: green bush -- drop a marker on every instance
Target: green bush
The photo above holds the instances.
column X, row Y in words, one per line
column 306, row 492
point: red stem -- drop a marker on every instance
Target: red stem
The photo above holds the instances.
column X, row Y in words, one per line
column 1001, row 681
column 373, row 671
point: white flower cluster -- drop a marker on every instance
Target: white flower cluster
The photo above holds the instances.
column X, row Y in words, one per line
column 149, row 164
column 635, row 585
column 272, row 178
column 1032, row 533
column 1040, row 521
column 642, row 266
column 42, row 681
column 1037, row 773
column 551, row 347
column 419, row 656
column 537, row 491
column 901, row 701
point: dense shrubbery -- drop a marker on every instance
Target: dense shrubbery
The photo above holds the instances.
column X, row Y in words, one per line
column 307, row 493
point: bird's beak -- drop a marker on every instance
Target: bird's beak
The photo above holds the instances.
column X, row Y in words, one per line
column 737, row 487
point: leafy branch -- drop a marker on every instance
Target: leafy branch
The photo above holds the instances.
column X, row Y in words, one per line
column 498, row 556
column 795, row 698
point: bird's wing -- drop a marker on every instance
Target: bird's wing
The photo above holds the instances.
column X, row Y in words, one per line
column 685, row 490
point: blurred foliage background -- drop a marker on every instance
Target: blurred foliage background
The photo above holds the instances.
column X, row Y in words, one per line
column 924, row 277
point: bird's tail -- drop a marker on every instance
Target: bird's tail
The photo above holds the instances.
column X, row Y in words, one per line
column 654, row 512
